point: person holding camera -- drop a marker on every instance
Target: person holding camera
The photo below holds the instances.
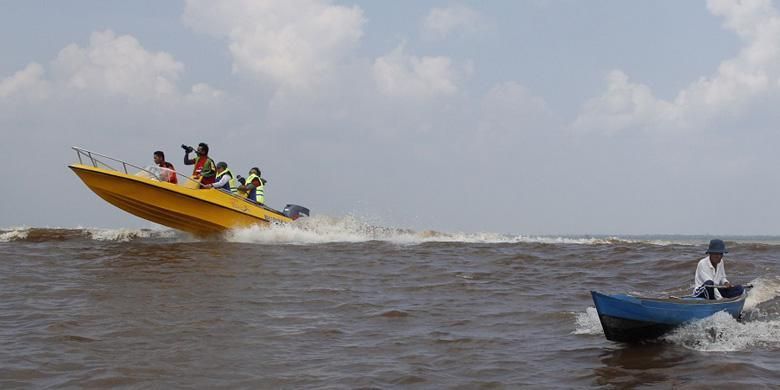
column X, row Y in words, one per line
column 205, row 170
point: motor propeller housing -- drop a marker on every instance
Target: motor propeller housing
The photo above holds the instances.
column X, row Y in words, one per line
column 294, row 211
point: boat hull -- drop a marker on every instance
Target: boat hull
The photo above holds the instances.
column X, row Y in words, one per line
column 626, row 318
column 197, row 211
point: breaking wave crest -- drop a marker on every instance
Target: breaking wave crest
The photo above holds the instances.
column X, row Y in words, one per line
column 323, row 229
column 14, row 234
column 30, row 234
column 125, row 235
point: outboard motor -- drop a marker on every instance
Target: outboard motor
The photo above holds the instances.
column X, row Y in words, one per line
column 294, row 211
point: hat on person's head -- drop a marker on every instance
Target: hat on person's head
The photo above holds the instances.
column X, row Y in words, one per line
column 222, row 165
column 717, row 246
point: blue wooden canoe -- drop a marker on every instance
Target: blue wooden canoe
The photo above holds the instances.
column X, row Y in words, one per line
column 628, row 318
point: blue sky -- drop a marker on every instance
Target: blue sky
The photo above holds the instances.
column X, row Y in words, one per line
column 535, row 117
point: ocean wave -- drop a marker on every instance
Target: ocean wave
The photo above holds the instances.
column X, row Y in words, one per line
column 323, row 229
column 125, row 235
column 14, row 234
column 31, row 234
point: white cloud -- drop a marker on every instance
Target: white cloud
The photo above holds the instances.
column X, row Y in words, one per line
column 442, row 22
column 110, row 65
column 623, row 105
column 28, row 81
column 737, row 81
column 746, row 18
column 291, row 42
column 400, row 75
column 117, row 65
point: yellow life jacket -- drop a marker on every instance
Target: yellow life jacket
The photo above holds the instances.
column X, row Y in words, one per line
column 232, row 184
column 258, row 195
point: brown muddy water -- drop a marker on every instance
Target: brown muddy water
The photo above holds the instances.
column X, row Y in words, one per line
column 347, row 306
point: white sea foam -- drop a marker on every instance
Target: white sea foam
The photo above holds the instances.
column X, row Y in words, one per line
column 125, row 235
column 764, row 289
column 588, row 322
column 14, row 234
column 323, row 229
column 721, row 332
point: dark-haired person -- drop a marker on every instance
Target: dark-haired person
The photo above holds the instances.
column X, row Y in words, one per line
column 711, row 272
column 205, row 171
column 169, row 171
column 225, row 180
column 255, row 186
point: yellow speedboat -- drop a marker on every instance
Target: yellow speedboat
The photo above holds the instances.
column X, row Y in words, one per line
column 183, row 206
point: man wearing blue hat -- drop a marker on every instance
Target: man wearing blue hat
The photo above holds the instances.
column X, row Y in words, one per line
column 710, row 279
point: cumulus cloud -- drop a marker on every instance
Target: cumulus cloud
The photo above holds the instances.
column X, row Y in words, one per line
column 398, row 74
column 624, row 105
column 117, row 65
column 28, row 81
column 737, row 81
column 442, row 22
column 292, row 43
column 110, row 65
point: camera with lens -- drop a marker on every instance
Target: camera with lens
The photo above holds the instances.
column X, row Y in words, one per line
column 187, row 149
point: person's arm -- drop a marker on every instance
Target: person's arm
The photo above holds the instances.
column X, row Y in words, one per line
column 222, row 181
column 187, row 160
column 703, row 274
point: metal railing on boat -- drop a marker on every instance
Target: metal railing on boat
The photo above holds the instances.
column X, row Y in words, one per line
column 97, row 163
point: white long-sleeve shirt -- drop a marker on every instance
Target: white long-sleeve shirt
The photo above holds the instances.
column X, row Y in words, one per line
column 222, row 181
column 705, row 271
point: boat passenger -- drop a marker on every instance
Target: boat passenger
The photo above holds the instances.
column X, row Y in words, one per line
column 204, row 170
column 169, row 171
column 225, row 180
column 255, row 186
column 711, row 273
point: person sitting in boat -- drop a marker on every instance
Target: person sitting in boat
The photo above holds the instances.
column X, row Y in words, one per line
column 225, row 180
column 255, row 186
column 168, row 171
column 204, row 171
column 710, row 278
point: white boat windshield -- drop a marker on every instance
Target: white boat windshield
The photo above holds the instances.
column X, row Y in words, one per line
column 157, row 173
